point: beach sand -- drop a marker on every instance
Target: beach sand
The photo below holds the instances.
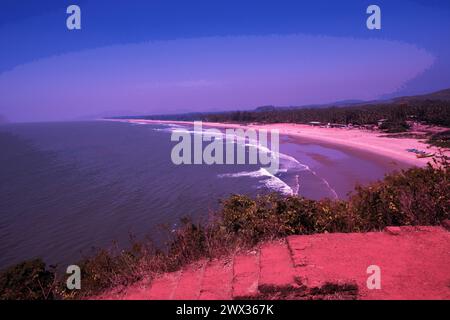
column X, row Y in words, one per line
column 369, row 141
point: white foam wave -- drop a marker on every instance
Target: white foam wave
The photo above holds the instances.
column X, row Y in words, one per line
column 269, row 180
column 272, row 182
column 138, row 123
column 242, row 140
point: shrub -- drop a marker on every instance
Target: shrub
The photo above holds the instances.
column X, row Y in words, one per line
column 417, row 196
column 441, row 139
column 394, row 127
column 29, row 280
column 273, row 216
column 107, row 268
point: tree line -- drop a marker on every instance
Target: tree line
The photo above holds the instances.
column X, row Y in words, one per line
column 394, row 114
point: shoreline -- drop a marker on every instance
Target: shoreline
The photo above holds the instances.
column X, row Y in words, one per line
column 368, row 141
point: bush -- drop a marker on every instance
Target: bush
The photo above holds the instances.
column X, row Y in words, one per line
column 114, row 267
column 412, row 197
column 29, row 280
column 273, row 216
column 441, row 139
column 394, row 127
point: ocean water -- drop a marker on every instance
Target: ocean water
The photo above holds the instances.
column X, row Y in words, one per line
column 68, row 187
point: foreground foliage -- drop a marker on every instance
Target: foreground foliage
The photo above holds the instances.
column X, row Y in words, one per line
column 27, row 280
column 417, row 196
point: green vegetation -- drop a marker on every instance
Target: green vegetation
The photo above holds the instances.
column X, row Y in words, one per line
column 432, row 112
column 394, row 126
column 441, row 139
column 417, row 196
column 28, row 280
column 397, row 114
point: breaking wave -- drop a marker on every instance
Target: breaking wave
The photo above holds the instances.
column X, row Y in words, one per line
column 287, row 162
column 270, row 181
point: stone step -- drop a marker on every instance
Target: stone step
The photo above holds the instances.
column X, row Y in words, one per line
column 246, row 274
column 189, row 284
column 217, row 280
column 137, row 292
column 276, row 267
column 163, row 288
column 412, row 261
column 160, row 288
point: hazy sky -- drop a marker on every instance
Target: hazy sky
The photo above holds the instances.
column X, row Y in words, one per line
column 147, row 57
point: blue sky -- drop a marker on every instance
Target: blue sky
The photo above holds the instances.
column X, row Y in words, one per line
column 178, row 56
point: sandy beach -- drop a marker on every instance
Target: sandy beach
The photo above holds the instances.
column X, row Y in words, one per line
column 369, row 141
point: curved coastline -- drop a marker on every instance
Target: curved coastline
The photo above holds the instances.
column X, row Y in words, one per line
column 371, row 142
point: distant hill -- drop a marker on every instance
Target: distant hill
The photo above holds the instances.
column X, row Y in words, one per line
column 323, row 105
column 442, row 95
column 385, row 107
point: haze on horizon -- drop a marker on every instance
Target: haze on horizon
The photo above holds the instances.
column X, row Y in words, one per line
column 136, row 57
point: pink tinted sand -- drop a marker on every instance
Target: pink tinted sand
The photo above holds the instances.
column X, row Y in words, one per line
column 369, row 141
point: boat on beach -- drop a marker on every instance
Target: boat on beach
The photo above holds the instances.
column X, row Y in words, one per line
column 421, row 154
